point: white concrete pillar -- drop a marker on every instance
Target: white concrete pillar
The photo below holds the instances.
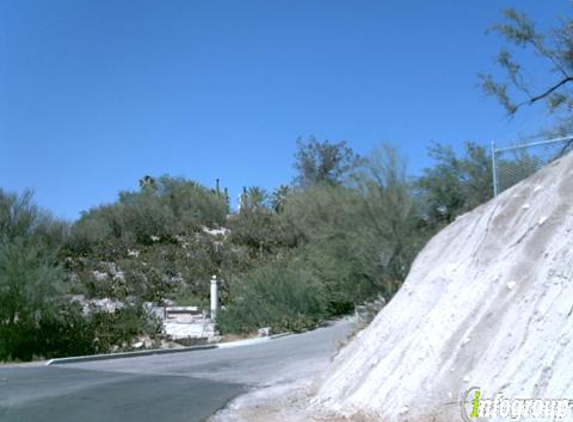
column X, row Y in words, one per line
column 214, row 297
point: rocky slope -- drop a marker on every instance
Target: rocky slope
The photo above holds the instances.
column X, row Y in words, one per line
column 488, row 303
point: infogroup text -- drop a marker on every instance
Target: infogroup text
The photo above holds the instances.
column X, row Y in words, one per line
column 474, row 406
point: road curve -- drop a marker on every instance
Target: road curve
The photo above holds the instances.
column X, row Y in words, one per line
column 184, row 387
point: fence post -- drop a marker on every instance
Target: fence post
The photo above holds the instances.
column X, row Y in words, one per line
column 494, row 168
column 214, row 297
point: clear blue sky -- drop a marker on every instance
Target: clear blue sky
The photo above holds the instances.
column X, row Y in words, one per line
column 96, row 94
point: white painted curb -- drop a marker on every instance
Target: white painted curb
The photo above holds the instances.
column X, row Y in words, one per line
column 109, row 356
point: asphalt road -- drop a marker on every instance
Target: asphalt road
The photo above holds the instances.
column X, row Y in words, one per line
column 174, row 387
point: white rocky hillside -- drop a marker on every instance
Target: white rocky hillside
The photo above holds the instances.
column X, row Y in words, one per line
column 488, row 303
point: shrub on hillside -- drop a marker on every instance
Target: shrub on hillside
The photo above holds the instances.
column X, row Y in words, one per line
column 283, row 298
column 161, row 210
column 31, row 284
column 339, row 247
column 36, row 316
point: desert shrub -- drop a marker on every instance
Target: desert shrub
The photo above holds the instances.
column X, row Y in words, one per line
column 337, row 245
column 72, row 333
column 456, row 183
column 285, row 298
column 115, row 330
column 359, row 239
column 192, row 204
column 392, row 216
column 143, row 220
column 31, row 284
column 86, row 234
column 154, row 236
column 137, row 220
column 349, row 268
column 158, row 212
column 36, row 316
column 186, row 298
column 30, row 294
column 69, row 332
column 260, row 231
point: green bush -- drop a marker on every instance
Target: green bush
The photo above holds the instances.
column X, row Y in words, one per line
column 31, row 284
column 154, row 236
column 192, row 204
column 339, row 245
column 158, row 212
column 283, row 298
column 71, row 333
column 111, row 330
column 36, row 316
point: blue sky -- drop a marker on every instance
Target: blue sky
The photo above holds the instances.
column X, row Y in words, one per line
column 96, row 94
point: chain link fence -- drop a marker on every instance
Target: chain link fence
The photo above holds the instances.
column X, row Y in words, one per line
column 511, row 164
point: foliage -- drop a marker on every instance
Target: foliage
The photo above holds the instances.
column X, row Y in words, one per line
column 161, row 210
column 37, row 319
column 326, row 220
column 345, row 233
column 554, row 48
column 323, row 162
column 359, row 240
column 257, row 230
column 21, row 219
column 279, row 197
column 30, row 282
column 257, row 227
column 150, row 244
column 392, row 215
column 345, row 236
column 283, row 297
column 254, row 198
column 455, row 184
column 71, row 333
column 116, row 330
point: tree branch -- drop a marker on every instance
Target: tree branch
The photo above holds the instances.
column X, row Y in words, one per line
column 565, row 148
column 545, row 94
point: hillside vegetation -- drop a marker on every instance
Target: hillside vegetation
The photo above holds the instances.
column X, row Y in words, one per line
column 343, row 233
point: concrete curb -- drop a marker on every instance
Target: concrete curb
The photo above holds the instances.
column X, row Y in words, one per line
column 123, row 355
column 109, row 356
column 276, row 336
column 251, row 341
